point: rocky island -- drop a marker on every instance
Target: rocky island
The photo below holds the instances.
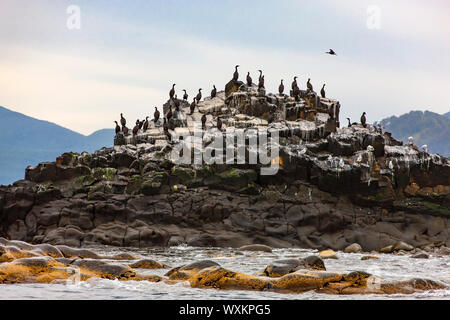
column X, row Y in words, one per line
column 336, row 187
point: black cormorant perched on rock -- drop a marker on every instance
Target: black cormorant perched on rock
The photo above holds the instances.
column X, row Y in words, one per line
column 136, row 129
column 332, row 52
column 294, row 84
column 117, row 127
column 145, row 124
column 249, row 80
column 192, row 106
column 349, row 123
column 123, row 121
column 203, row 121
column 363, row 119
column 296, row 92
column 213, row 92
column 199, row 95
column 322, row 91
column 166, row 130
column 156, row 115
column 185, row 96
column 309, row 85
column 124, row 130
column 261, row 83
column 236, row 73
column 219, row 124
column 172, row 91
column 281, row 88
column 260, row 75
column 169, row 113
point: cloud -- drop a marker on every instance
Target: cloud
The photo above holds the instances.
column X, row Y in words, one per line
column 84, row 80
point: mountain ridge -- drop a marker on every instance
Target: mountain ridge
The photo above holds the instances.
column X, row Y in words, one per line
column 29, row 141
column 426, row 128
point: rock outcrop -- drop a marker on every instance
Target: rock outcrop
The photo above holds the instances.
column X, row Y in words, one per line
column 334, row 187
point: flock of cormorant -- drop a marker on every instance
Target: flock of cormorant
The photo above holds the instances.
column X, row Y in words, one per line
column 144, row 124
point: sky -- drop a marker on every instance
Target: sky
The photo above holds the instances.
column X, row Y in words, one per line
column 393, row 56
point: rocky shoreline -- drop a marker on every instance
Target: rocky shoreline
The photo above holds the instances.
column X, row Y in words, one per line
column 21, row 262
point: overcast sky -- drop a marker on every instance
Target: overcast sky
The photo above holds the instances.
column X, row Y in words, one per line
column 127, row 54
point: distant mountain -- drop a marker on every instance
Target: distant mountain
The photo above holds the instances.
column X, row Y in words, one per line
column 427, row 127
column 27, row 141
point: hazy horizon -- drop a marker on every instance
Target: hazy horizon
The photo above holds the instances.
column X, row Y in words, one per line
column 125, row 56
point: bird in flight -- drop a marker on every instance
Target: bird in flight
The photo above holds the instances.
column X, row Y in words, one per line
column 332, row 52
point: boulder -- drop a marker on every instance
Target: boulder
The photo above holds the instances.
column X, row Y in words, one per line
column 328, row 254
column 353, row 248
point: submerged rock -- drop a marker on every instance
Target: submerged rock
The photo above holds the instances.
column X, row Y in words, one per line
column 256, row 247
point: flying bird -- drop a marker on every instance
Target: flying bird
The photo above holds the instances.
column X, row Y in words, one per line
column 331, row 52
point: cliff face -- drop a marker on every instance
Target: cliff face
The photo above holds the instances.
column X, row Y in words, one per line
column 334, row 186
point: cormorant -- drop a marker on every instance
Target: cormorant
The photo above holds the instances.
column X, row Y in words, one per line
column 296, row 92
column 192, row 106
column 294, row 84
column 136, row 129
column 117, row 127
column 169, row 113
column 156, row 115
column 199, row 95
column 261, row 83
column 349, row 124
column 236, row 74
column 281, row 88
column 203, row 121
column 322, row 92
column 363, row 119
column 249, row 80
column 146, row 124
column 260, row 75
column 213, row 92
column 172, row 91
column 331, row 52
column 309, row 85
column 185, row 96
column 123, row 121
